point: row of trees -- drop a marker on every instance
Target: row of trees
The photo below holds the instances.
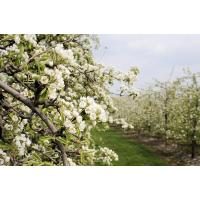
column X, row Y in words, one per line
column 168, row 110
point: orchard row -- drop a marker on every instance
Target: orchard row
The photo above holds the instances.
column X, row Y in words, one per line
column 167, row 110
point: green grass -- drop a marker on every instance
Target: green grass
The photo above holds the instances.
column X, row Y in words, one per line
column 130, row 153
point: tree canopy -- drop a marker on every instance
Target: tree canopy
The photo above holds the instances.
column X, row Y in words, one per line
column 52, row 93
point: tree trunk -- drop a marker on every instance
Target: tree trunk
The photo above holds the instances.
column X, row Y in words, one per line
column 193, row 150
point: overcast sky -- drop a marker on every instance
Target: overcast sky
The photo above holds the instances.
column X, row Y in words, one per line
column 155, row 55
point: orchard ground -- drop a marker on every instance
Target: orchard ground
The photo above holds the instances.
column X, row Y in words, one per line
column 142, row 150
column 130, row 152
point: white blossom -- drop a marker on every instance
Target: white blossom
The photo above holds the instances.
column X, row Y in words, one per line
column 31, row 38
column 22, row 142
column 4, row 158
column 8, row 127
column 17, row 39
column 44, row 80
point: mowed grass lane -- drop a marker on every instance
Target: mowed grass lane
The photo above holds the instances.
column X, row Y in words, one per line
column 130, row 153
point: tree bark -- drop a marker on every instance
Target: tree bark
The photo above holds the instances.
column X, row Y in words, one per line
column 193, row 152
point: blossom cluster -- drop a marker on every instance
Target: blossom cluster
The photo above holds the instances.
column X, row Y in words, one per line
column 22, row 142
column 123, row 123
column 94, row 110
column 67, row 55
column 4, row 158
column 107, row 155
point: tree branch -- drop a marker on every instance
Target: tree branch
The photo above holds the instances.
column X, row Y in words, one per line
column 36, row 110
